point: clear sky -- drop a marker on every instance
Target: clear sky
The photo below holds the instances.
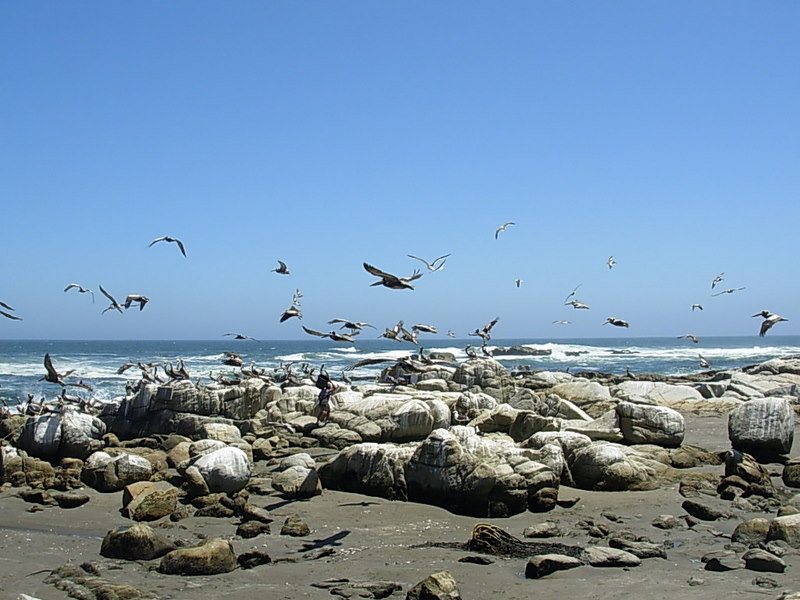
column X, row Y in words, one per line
column 326, row 134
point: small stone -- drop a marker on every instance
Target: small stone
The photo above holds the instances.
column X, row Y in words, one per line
column 476, row 560
column 439, row 586
column 666, row 522
column 251, row 529
column 70, row 499
column 542, row 530
column 721, row 561
column 295, row 527
column 695, row 581
column 253, row 558
column 757, row 559
column 768, row 583
column 701, row 511
column 545, row 564
column 598, row 556
column 638, row 548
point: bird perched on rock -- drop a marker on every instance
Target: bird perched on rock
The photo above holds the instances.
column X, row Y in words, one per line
column 484, row 333
column 281, row 270
column 616, row 322
column 769, row 320
column 392, row 281
column 80, row 289
column 336, row 337
column 240, row 336
column 728, row 291
column 133, row 298
column 470, row 352
column 717, row 279
column 503, row 227
column 431, row 266
column 689, row 336
column 167, row 238
column 114, row 304
column 8, row 315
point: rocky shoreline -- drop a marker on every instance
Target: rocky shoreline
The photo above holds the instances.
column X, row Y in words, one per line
column 237, row 489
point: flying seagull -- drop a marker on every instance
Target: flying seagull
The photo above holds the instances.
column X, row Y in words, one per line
column 281, row 270
column 451, row 333
column 336, row 337
column 689, row 336
column 697, row 306
column 503, row 227
column 616, row 322
column 484, row 333
column 240, row 336
column 611, row 262
column 703, row 362
column 81, row 290
column 167, row 238
column 728, row 291
column 769, row 320
column 114, row 304
column 432, row 266
column 133, row 298
column 392, row 281
column 717, row 279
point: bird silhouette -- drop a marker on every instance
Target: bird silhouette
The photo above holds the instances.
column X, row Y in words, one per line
column 167, row 238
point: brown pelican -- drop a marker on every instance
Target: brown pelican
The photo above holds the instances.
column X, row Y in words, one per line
column 9, row 315
column 392, row 334
column 408, row 336
column 616, row 322
column 336, row 337
column 292, row 311
column 281, row 270
column 611, row 262
column 577, row 304
column 769, row 320
column 486, row 352
column 697, row 306
column 131, row 298
column 470, row 352
column 240, row 336
column 167, row 238
column 502, row 227
column 81, row 290
column 484, row 333
column 392, row 281
column 689, row 336
column 114, row 304
column 54, row 376
column 353, row 325
column 424, row 328
column 232, row 359
column 432, row 266
column 728, row 291
column 703, row 362
column 717, row 279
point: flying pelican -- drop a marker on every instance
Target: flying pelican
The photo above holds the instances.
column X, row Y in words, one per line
column 167, row 238
column 240, row 336
column 392, row 281
column 114, row 304
column 717, row 279
column 611, row 262
column 703, row 362
column 432, row 266
column 81, row 290
column 502, row 227
column 54, row 376
column 353, row 325
column 572, row 293
column 336, row 337
column 131, row 298
column 484, row 333
column 616, row 322
column 689, row 336
column 408, row 336
column 451, row 333
column 392, row 334
column 728, row 291
column 292, row 311
column 518, row 282
column 9, row 315
column 577, row 304
column 697, row 306
column 424, row 328
column 769, row 320
column 281, row 270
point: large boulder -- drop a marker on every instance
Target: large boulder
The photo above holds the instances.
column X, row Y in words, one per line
column 369, row 468
column 70, row 434
column 297, row 482
column 762, row 425
column 657, row 393
column 590, row 396
column 149, row 501
column 224, row 470
column 107, row 473
column 643, row 424
column 613, row 467
column 209, row 558
column 138, row 542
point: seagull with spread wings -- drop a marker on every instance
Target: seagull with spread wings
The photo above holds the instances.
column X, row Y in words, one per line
column 728, row 291
column 167, row 238
column 80, row 289
column 114, row 304
column 503, row 227
column 717, row 279
column 392, row 281
column 432, row 266
column 240, row 336
column 689, row 336
column 616, row 322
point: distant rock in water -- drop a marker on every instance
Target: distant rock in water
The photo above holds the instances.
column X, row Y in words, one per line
column 522, row 351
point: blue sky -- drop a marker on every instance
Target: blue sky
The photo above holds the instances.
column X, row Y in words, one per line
column 329, row 134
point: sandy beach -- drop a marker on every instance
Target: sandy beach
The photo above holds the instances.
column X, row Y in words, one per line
column 363, row 538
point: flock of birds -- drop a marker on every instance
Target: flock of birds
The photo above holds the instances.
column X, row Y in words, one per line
column 354, row 328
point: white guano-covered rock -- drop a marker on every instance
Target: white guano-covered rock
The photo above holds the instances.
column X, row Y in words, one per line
column 658, row 393
column 762, row 425
column 643, row 424
column 224, row 470
column 298, row 482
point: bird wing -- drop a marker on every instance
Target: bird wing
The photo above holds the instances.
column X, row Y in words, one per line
column 440, row 258
column 70, row 286
column 107, row 295
column 48, row 365
column 312, row 332
column 180, row 245
column 488, row 327
column 414, row 275
column 161, row 239
column 422, row 260
column 377, row 272
column 282, row 265
column 10, row 316
column 765, row 325
column 367, row 361
column 6, row 306
column 332, row 321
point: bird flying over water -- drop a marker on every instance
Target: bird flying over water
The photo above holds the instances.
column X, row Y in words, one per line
column 167, row 238
column 424, row 328
column 81, row 290
column 728, row 291
column 8, row 315
column 432, row 266
column 616, row 322
column 240, row 336
column 282, row 269
column 697, row 306
column 689, row 336
column 392, row 281
column 769, row 320
column 703, row 362
column 133, row 298
column 577, row 304
column 336, row 337
column 484, row 333
column 451, row 333
column 54, row 376
column 114, row 304
column 503, row 227
column 352, row 325
column 717, row 279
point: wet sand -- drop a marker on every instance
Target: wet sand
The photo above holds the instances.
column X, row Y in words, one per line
column 375, row 539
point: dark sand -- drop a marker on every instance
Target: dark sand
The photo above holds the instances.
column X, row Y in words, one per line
column 374, row 539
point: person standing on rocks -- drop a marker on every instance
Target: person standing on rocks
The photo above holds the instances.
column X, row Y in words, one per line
column 323, row 408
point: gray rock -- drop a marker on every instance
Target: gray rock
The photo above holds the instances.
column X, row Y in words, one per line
column 295, row 526
column 543, row 530
column 642, row 424
column 791, row 473
column 298, row 482
column 545, row 564
column 751, row 532
column 599, row 556
column 762, row 425
column 702, row 511
column 138, row 542
column 209, row 558
column 757, row 559
column 787, row 529
column 638, row 548
column 224, row 470
column 439, row 586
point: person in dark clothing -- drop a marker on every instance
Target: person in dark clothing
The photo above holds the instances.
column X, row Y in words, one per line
column 323, row 408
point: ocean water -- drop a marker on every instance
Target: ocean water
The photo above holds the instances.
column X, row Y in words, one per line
column 96, row 362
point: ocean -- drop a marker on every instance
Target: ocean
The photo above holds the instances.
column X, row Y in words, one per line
column 96, row 361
